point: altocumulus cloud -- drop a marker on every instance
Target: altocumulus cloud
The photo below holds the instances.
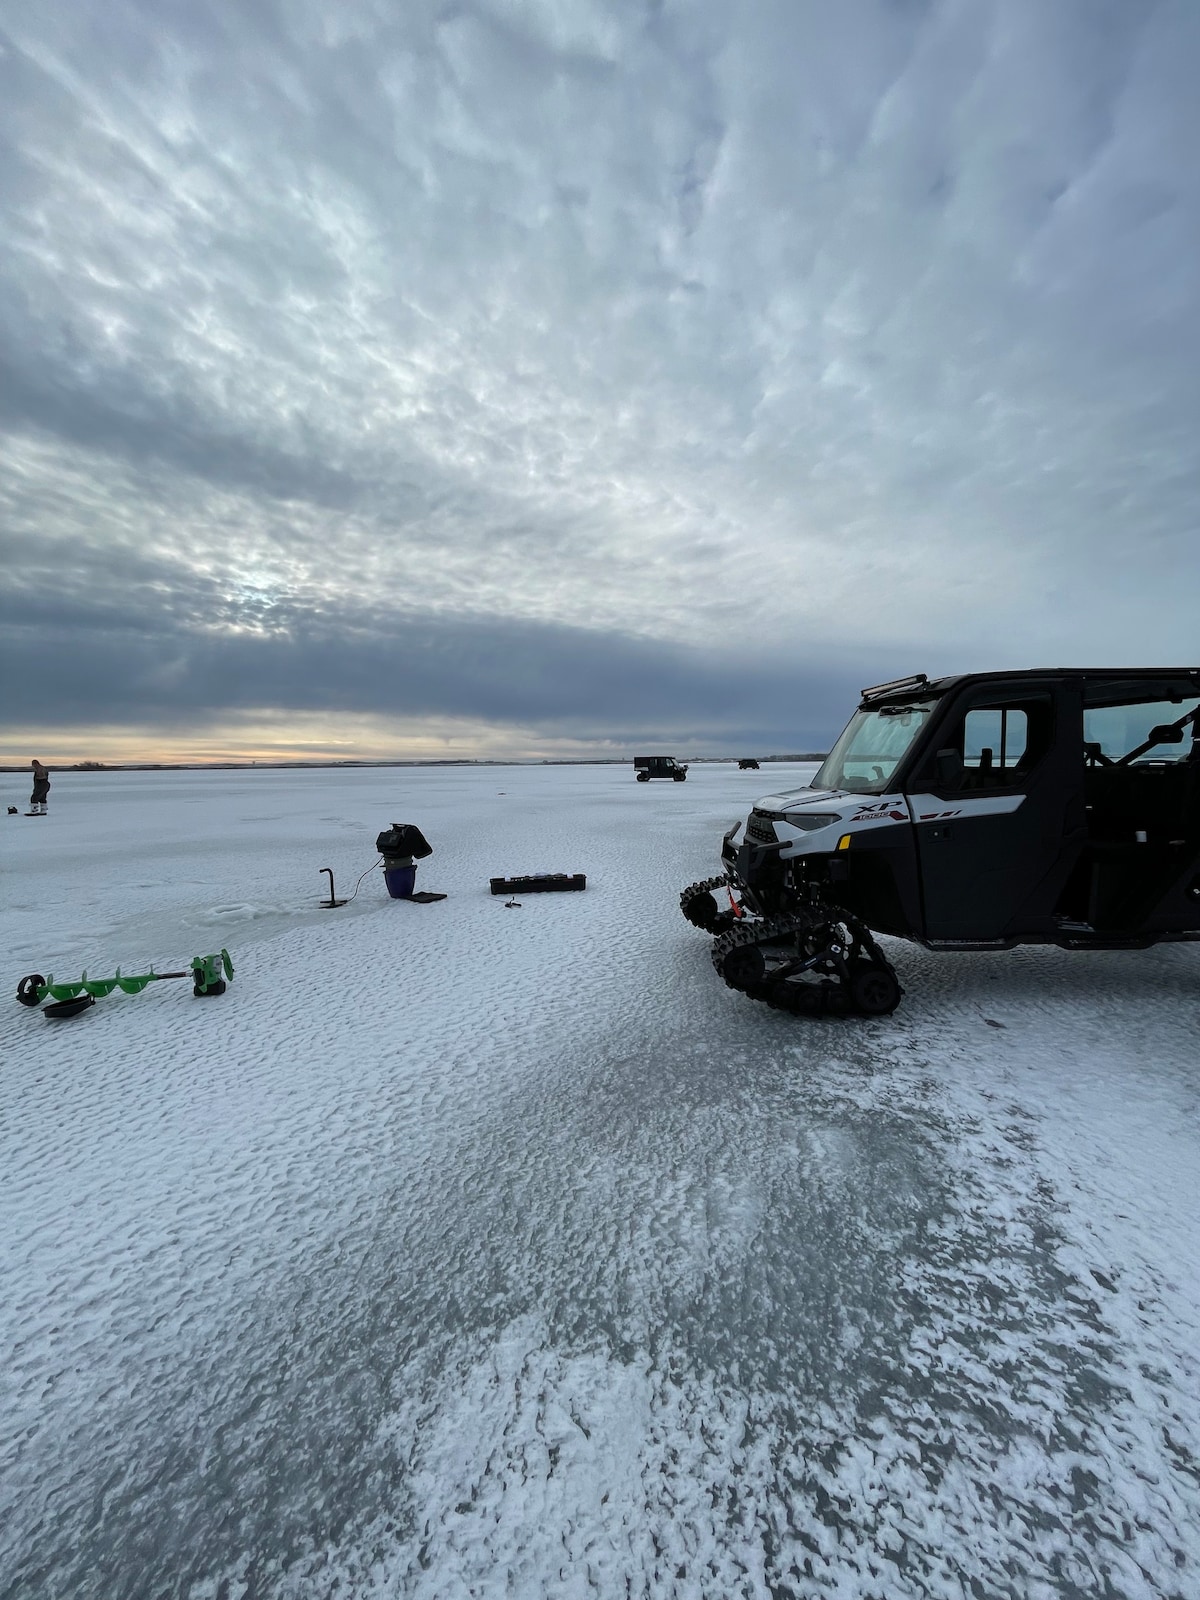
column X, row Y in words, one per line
column 603, row 369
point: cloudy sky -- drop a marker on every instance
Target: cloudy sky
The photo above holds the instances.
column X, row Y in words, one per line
column 520, row 377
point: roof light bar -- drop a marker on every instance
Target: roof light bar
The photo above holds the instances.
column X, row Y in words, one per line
column 919, row 680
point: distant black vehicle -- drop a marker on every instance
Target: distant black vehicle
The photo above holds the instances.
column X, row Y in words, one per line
column 748, row 764
column 659, row 767
column 975, row 812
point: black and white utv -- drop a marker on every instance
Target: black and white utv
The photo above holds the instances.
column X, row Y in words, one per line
column 648, row 767
column 967, row 813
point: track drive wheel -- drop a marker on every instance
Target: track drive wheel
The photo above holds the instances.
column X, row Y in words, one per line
column 874, row 989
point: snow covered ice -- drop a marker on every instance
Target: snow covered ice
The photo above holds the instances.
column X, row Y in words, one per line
column 460, row 1250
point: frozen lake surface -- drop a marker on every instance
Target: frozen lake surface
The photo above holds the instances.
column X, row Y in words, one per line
column 461, row 1250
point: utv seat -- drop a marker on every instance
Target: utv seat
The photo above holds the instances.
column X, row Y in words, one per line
column 1124, row 876
column 1163, row 802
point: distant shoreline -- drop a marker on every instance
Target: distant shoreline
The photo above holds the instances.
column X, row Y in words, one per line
column 100, row 767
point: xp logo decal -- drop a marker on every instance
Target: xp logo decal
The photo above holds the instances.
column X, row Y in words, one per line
column 882, row 811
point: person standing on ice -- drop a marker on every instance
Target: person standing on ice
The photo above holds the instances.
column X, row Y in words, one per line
column 41, row 788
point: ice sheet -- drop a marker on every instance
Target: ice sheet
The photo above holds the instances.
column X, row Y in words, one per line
column 467, row 1250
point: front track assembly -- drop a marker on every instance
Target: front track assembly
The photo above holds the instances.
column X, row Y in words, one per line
column 815, row 961
column 700, row 905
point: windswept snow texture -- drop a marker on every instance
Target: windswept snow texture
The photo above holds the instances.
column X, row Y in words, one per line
column 467, row 1250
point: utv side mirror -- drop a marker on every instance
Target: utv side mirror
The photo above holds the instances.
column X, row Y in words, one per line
column 1166, row 733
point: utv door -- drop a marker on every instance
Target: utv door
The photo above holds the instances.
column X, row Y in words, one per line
column 997, row 807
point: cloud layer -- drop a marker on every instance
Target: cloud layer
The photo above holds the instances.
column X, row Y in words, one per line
column 579, row 364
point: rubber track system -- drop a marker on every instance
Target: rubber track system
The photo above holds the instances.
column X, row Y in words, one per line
column 870, row 987
column 706, row 916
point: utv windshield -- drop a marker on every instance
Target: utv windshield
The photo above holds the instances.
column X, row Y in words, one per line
column 872, row 747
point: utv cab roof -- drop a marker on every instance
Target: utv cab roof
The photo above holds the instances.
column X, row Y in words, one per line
column 920, row 685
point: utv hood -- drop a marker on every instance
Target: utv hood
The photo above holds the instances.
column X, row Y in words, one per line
column 806, row 800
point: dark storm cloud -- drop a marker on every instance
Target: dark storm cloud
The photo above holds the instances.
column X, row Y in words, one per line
column 783, row 336
column 161, row 668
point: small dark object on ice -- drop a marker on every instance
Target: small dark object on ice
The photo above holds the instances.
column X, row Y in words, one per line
column 748, row 764
column 512, row 905
column 539, row 883
column 12, row 811
column 425, row 897
column 69, row 1008
column 992, row 1023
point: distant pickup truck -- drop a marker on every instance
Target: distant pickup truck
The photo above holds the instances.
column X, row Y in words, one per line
column 747, row 764
column 659, row 767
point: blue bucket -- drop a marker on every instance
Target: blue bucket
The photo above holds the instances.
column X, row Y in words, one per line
column 400, row 881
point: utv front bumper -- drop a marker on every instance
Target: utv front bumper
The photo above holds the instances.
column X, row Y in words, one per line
column 749, row 863
column 764, row 874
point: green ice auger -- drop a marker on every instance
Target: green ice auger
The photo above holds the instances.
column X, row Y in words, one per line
column 208, row 974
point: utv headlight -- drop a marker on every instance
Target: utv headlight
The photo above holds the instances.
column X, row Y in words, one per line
column 809, row 821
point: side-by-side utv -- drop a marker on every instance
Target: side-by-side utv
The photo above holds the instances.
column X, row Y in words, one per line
column 968, row 813
column 660, row 767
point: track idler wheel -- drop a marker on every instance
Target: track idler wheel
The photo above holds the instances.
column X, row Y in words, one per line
column 874, row 990
column 738, row 953
column 744, row 968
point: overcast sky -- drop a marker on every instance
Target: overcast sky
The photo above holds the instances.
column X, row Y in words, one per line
column 519, row 376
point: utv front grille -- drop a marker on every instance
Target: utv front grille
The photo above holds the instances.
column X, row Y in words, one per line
column 759, row 828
